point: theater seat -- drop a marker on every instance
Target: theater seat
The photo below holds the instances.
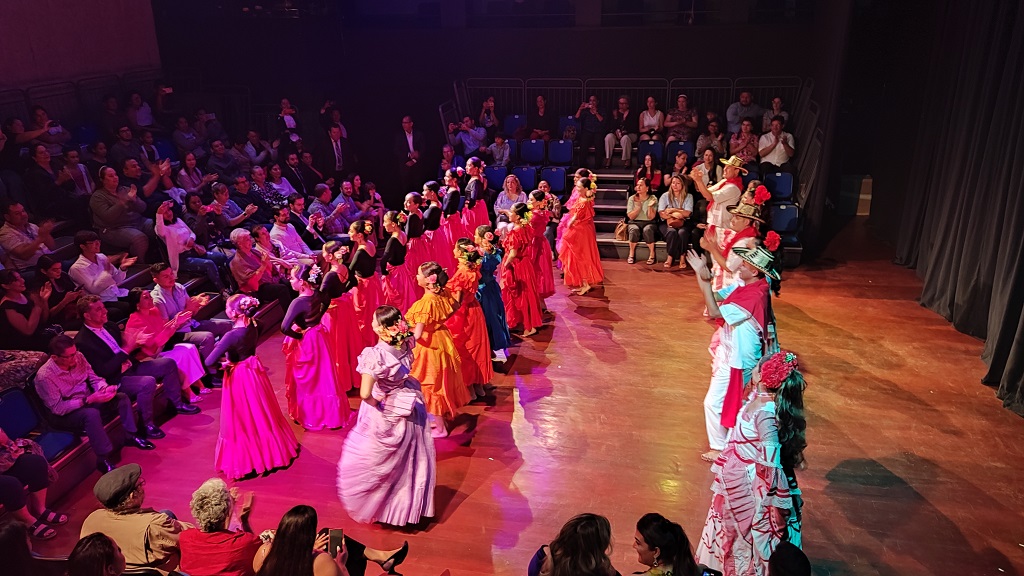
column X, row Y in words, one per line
column 555, row 176
column 495, row 176
column 527, row 176
column 19, row 419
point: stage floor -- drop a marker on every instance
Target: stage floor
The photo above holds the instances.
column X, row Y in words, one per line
column 914, row 466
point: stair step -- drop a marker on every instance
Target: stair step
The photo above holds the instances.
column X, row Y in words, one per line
column 617, row 207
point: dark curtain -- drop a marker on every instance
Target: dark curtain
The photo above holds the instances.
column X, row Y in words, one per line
column 963, row 221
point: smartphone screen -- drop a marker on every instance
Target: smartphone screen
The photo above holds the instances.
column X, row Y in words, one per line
column 336, row 536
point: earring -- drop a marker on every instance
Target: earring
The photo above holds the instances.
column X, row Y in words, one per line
column 656, row 562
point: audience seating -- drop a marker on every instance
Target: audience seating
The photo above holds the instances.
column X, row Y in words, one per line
column 566, row 121
column 780, row 184
column 527, row 176
column 513, row 151
column 512, row 123
column 653, row 147
column 749, row 177
column 555, row 176
column 676, row 145
column 560, row 152
column 166, row 148
column 531, row 152
column 495, row 176
column 785, row 220
column 19, row 419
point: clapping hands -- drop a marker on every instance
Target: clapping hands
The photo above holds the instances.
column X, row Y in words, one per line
column 699, row 265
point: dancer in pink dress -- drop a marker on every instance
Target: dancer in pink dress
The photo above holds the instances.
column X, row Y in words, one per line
column 399, row 284
column 452, row 226
column 388, row 468
column 417, row 251
column 315, row 398
column 340, row 321
column 475, row 214
column 540, row 251
column 364, row 277
column 255, row 437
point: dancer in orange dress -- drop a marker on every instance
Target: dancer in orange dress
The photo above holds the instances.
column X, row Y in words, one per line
column 340, row 321
column 437, row 365
column 540, row 251
column 468, row 325
column 518, row 277
column 580, row 259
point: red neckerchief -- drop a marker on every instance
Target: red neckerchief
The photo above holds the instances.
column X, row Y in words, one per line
column 748, row 232
column 711, row 205
column 754, row 299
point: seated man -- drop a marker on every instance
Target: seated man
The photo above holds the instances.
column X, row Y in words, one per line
column 473, row 139
column 152, row 188
column 335, row 223
column 286, row 234
column 54, row 136
column 187, row 140
column 23, row 241
column 101, row 343
column 237, row 151
column 776, row 149
column 147, row 538
column 449, row 160
column 308, row 228
column 171, row 298
column 99, row 275
column 244, row 195
column 117, row 215
column 221, row 163
column 126, row 147
column 77, row 398
column 258, row 150
column 353, row 210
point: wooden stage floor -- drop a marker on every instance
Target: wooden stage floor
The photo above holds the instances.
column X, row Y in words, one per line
column 914, row 466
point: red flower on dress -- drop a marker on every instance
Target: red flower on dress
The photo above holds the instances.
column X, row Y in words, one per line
column 761, row 195
column 772, row 241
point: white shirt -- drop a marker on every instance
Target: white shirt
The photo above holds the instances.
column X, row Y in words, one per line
column 11, row 238
column 408, row 138
column 289, row 238
column 99, row 278
column 725, row 194
column 107, row 338
column 778, row 155
column 177, row 237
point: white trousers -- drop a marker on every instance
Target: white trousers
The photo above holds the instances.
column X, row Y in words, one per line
column 626, row 142
column 718, row 435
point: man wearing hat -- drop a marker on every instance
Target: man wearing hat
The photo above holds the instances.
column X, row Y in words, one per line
column 743, row 337
column 744, row 235
column 148, row 539
column 720, row 197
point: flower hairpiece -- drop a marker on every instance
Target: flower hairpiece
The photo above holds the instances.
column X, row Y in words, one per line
column 402, row 218
column 395, row 335
column 367, row 228
column 314, row 273
column 432, row 279
column 777, row 368
column 489, row 236
column 772, row 241
column 761, row 195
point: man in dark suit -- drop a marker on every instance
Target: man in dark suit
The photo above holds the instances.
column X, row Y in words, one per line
column 409, row 146
column 309, row 228
column 291, row 172
column 100, row 342
column 335, row 156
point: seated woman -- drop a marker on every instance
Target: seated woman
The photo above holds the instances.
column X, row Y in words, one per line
column 663, row 547
column 648, row 171
column 96, row 555
column 652, row 121
column 63, row 292
column 277, row 182
column 183, row 253
column 511, row 193
column 296, row 549
column 147, row 326
column 675, row 207
column 641, row 210
column 581, row 548
column 52, row 191
column 222, row 541
column 24, row 316
column 22, row 466
column 681, row 164
column 191, row 179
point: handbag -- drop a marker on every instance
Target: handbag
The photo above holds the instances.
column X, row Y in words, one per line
column 621, row 231
column 674, row 222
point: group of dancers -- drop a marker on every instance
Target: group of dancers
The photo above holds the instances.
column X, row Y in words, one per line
column 754, row 405
column 414, row 329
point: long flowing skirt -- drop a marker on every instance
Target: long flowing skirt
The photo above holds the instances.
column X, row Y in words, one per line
column 489, row 296
column 315, row 398
column 344, row 339
column 255, row 436
column 519, row 292
column 399, row 288
column 388, row 467
column 579, row 256
column 367, row 296
column 469, row 330
column 190, row 366
column 541, row 256
column 438, row 367
column 477, row 216
column 452, row 228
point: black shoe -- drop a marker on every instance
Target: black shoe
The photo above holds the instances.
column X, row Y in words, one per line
column 213, row 381
column 397, row 558
column 104, row 465
column 153, row 432
column 139, row 442
column 187, row 408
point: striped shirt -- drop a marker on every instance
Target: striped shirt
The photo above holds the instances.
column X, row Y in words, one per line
column 64, row 391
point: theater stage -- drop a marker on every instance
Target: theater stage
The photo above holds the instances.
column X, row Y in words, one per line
column 914, row 466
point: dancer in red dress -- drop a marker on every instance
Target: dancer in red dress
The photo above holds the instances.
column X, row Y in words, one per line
column 580, row 259
column 340, row 321
column 574, row 196
column 468, row 325
column 540, row 251
column 399, row 284
column 475, row 213
column 518, row 277
column 365, row 277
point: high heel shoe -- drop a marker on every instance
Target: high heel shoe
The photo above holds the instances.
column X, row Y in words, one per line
column 396, row 559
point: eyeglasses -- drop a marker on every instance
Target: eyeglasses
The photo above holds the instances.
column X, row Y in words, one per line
column 67, row 356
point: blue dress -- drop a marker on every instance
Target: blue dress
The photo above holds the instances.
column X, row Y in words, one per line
column 488, row 292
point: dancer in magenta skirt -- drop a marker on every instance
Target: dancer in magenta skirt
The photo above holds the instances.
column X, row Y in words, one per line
column 388, row 467
column 399, row 285
column 340, row 321
column 475, row 213
column 540, row 251
column 364, row 276
column 255, row 437
column 417, row 250
column 452, row 226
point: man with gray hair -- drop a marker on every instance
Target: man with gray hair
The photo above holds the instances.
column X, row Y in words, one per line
column 335, row 223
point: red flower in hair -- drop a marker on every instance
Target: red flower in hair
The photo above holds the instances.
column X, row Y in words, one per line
column 772, row 241
column 761, row 195
column 776, row 369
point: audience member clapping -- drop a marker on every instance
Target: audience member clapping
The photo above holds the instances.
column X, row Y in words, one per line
column 24, row 314
column 261, row 273
column 222, row 543
column 63, row 292
column 99, row 274
column 776, row 149
column 712, row 139
column 52, row 190
column 117, row 214
column 744, row 144
column 24, row 241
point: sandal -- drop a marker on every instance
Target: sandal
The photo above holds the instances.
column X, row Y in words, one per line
column 651, row 261
column 630, row 260
column 50, row 517
column 40, row 531
column 668, row 262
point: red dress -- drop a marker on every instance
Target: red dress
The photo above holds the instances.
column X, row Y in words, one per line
column 519, row 281
column 580, row 258
column 469, row 328
column 540, row 253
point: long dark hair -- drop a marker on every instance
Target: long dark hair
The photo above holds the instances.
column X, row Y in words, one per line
column 580, row 547
column 670, row 539
column 318, row 303
column 789, row 415
column 291, row 554
column 14, row 549
column 92, row 555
